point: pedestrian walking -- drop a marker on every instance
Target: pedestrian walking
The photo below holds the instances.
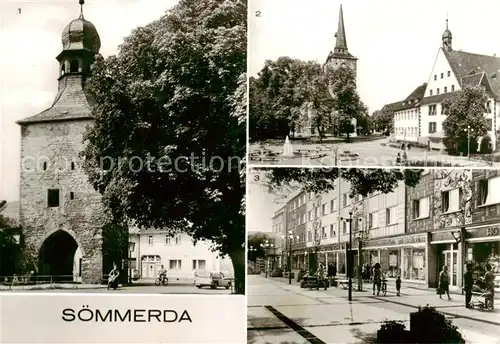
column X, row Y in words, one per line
column 398, row 158
column 489, row 284
column 377, row 278
column 468, row 283
column 444, row 282
column 321, row 276
column 398, row 285
column 334, row 270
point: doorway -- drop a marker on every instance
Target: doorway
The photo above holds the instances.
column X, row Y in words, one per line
column 450, row 259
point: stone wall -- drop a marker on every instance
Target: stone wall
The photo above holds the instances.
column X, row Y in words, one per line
column 58, row 144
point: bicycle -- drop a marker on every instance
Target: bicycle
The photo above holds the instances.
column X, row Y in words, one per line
column 384, row 287
column 163, row 281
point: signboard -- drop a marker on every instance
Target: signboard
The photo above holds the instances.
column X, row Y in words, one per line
column 485, row 232
column 397, row 241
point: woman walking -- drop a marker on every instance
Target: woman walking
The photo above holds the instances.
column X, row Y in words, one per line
column 489, row 284
column 444, row 282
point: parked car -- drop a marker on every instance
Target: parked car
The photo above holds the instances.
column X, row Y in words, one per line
column 204, row 278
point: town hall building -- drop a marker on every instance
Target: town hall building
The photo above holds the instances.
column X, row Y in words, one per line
column 420, row 117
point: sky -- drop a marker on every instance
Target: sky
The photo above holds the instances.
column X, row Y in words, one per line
column 261, row 203
column 395, row 41
column 30, row 37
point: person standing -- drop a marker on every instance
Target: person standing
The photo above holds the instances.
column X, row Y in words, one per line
column 398, row 285
column 468, row 283
column 489, row 283
column 444, row 282
column 334, row 270
column 377, row 278
column 321, row 276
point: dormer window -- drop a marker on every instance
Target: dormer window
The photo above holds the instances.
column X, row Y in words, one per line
column 73, row 67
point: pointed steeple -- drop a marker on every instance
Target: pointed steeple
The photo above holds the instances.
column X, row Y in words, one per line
column 341, row 43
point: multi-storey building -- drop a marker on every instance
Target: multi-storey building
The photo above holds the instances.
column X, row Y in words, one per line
column 450, row 217
column 178, row 254
column 452, row 71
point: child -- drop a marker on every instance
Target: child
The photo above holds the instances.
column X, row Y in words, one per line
column 398, row 284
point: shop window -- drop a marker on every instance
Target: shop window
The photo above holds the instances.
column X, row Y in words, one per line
column 175, row 264
column 199, row 264
column 150, row 240
column 421, row 208
column 53, row 198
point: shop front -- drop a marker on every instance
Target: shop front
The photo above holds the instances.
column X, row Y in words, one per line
column 398, row 256
column 335, row 254
column 482, row 247
column 446, row 250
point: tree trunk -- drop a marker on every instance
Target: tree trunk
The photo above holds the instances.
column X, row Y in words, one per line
column 238, row 259
column 320, row 134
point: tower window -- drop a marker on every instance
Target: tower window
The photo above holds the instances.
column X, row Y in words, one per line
column 449, row 73
column 45, row 166
column 71, row 195
column 73, row 67
column 53, row 198
column 72, row 166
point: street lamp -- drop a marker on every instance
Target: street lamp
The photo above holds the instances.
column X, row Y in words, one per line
column 349, row 255
column 468, row 130
column 266, row 246
column 131, row 248
column 288, row 242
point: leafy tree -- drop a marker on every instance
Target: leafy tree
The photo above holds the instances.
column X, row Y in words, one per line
column 315, row 91
column 347, row 103
column 10, row 251
column 383, row 120
column 276, row 99
column 363, row 181
column 465, row 109
column 255, row 242
column 170, row 108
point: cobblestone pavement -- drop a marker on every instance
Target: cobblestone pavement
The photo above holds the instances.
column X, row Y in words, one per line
column 371, row 153
column 282, row 313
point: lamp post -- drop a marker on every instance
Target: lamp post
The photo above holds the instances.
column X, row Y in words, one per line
column 468, row 130
column 288, row 242
column 266, row 245
column 131, row 248
column 349, row 255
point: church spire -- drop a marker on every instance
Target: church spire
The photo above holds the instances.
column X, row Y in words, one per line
column 447, row 37
column 341, row 43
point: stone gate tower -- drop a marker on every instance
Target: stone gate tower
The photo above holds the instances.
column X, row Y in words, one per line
column 60, row 213
column 340, row 56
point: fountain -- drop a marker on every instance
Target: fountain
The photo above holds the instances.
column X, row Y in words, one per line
column 287, row 148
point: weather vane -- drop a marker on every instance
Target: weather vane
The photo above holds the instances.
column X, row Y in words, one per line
column 81, row 2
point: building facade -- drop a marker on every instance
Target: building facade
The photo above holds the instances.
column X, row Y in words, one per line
column 451, row 217
column 60, row 212
column 178, row 254
column 422, row 121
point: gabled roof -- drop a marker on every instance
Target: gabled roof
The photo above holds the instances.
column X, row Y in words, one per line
column 435, row 99
column 465, row 65
column 410, row 102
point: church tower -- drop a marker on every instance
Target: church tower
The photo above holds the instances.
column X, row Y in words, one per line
column 60, row 212
column 340, row 56
column 447, row 38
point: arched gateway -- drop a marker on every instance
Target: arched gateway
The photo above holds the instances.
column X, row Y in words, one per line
column 57, row 257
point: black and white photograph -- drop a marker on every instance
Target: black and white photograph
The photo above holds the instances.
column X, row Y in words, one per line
column 347, row 255
column 364, row 83
column 123, row 141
